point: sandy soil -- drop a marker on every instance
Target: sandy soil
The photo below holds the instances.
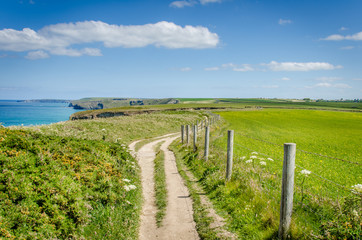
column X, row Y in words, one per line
column 178, row 222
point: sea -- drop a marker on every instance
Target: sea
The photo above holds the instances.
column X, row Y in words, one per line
column 15, row 113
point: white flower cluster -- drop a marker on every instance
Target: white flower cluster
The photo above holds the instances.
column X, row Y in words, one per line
column 357, row 188
column 305, row 172
column 126, row 180
column 253, row 157
column 262, row 163
column 249, row 161
column 129, row 187
column 254, row 153
column 270, row 159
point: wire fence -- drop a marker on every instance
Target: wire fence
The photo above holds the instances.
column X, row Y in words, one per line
column 311, row 187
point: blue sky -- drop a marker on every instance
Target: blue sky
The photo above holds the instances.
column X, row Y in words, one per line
column 193, row 48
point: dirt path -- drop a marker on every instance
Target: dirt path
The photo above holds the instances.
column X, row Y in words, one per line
column 178, row 222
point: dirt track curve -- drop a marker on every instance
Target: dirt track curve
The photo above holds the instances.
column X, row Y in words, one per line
column 178, row 222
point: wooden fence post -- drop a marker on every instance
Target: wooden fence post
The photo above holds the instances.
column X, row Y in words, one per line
column 187, row 134
column 229, row 162
column 195, row 137
column 207, row 136
column 182, row 133
column 286, row 204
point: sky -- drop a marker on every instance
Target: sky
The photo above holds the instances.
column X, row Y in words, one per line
column 70, row 49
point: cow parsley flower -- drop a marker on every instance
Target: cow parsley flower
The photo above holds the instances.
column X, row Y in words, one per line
column 126, row 180
column 357, row 188
column 253, row 157
column 305, row 172
column 254, row 153
column 242, row 158
column 270, row 159
column 129, row 187
column 263, row 163
column 249, row 161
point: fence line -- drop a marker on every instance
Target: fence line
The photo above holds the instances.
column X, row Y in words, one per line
column 287, row 180
column 300, row 150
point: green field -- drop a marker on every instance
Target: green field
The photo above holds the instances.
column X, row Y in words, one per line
column 324, row 205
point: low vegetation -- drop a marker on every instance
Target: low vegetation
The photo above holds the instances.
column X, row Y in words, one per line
column 102, row 103
column 76, row 179
column 62, row 187
column 327, row 200
column 122, row 129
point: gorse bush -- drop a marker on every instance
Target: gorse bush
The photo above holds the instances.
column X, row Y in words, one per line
column 60, row 187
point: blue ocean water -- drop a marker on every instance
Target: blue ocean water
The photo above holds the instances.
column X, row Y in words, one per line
column 33, row 113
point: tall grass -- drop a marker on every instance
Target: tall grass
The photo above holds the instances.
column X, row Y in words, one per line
column 324, row 205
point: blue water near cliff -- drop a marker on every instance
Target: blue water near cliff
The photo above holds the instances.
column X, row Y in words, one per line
column 33, row 113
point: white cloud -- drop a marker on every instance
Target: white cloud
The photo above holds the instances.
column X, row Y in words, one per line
column 243, row 68
column 37, row 55
column 328, row 79
column 270, row 86
column 284, row 21
column 338, row 37
column 329, row 85
column 285, row 79
column 347, row 47
column 185, row 69
column 234, row 67
column 190, row 3
column 212, row 69
column 58, row 38
column 300, row 66
column 203, row 2
column 182, row 4
column 341, row 85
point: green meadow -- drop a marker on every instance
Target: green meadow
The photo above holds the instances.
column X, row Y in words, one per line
column 327, row 204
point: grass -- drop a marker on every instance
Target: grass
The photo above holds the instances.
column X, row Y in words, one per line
column 62, row 187
column 160, row 184
column 322, row 209
column 122, row 129
column 75, row 179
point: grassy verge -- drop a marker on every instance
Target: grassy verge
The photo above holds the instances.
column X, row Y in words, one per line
column 122, row 129
column 201, row 217
column 160, row 184
column 62, row 187
column 251, row 199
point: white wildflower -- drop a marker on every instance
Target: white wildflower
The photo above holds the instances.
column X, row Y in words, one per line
column 249, row 161
column 253, row 157
column 270, row 159
column 263, row 163
column 355, row 213
column 129, row 187
column 305, row 172
column 242, row 158
column 128, row 202
column 103, row 129
column 254, row 153
column 126, row 180
column 357, row 188
column 261, row 159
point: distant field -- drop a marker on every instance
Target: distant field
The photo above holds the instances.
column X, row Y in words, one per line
column 293, row 103
column 323, row 200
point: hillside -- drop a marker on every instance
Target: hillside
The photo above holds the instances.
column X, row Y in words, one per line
column 103, row 103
